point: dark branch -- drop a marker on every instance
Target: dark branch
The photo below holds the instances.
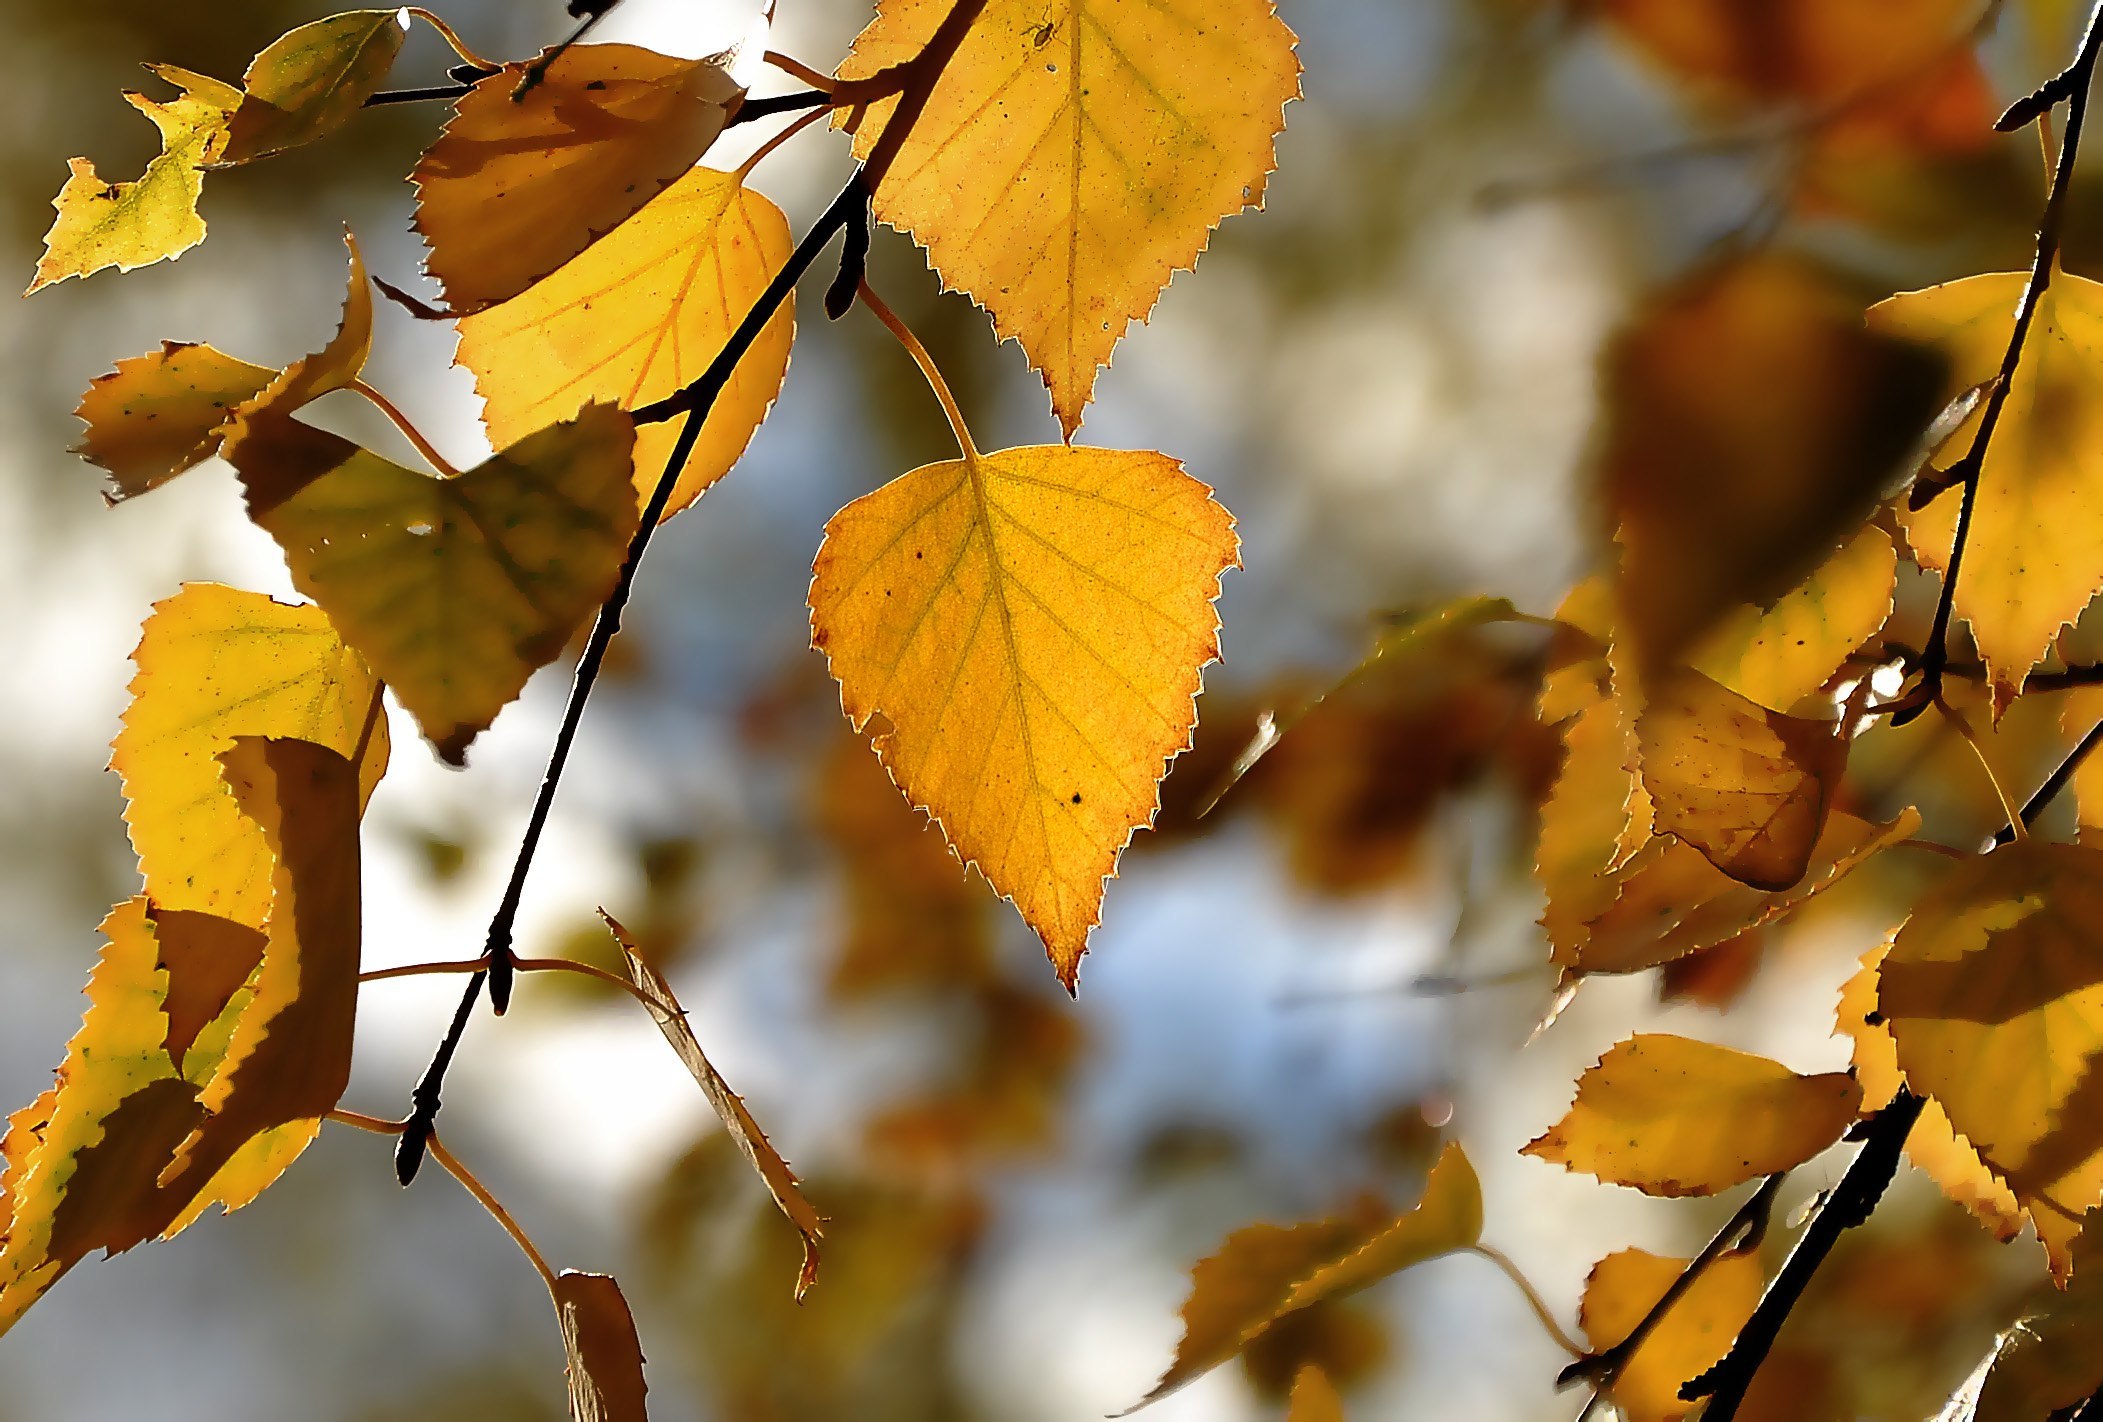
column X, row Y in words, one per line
column 2071, row 84
column 773, row 104
column 2054, row 783
column 417, row 96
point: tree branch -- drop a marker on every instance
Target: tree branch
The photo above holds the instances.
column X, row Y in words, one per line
column 2072, row 85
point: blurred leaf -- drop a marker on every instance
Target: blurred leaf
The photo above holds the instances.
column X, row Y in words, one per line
column 605, row 1357
column 309, row 83
column 216, row 664
column 1752, row 422
column 2029, row 567
column 1747, row 787
column 1675, row 1116
column 1062, row 616
column 1314, row 1398
column 514, row 188
column 781, row 1181
column 1098, row 229
column 153, row 217
column 1265, row 1272
column 1993, row 990
column 1693, row 1335
column 456, row 590
column 638, row 315
column 2053, row 1356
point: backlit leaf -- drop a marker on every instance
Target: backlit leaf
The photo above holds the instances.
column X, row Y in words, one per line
column 1032, row 625
column 215, row 664
column 1778, row 655
column 639, row 314
column 1675, row 1116
column 1074, row 155
column 1314, row 1398
column 1692, row 1337
column 161, row 413
column 1932, row 1144
column 2051, row 1361
column 2029, row 566
column 455, row 590
column 1993, row 990
column 605, row 1357
column 1747, row 787
column 310, row 82
column 153, row 217
column 737, row 1119
column 513, row 190
column 1265, row 1272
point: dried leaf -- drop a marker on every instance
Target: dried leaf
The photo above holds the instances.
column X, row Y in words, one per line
column 640, row 314
column 1264, row 1272
column 514, row 189
column 456, row 590
column 1675, row 1116
column 153, row 217
column 215, row 664
column 1691, row 1338
column 309, row 83
column 605, row 1357
column 1074, row 155
column 780, row 1180
column 1032, row 625
column 2029, row 565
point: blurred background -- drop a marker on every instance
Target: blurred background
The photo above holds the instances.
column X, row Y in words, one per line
column 1390, row 378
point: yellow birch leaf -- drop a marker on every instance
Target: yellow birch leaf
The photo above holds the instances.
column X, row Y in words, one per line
column 24, row 1129
column 161, row 413
column 253, row 1168
column 1675, row 1116
column 2029, row 563
column 1746, row 786
column 1314, row 1397
column 512, row 190
column 1777, row 656
column 1691, row 1338
column 640, row 314
column 1993, row 991
column 312, row 81
column 455, row 590
column 1074, row 155
column 1932, row 1144
column 1264, row 1273
column 599, row 1344
column 1670, row 901
column 214, row 664
column 1032, row 625
column 737, row 1119
column 1583, row 824
column 289, row 1056
column 153, row 217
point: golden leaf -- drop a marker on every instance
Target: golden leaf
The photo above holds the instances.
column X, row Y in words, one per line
column 161, row 413
column 1264, row 1273
column 514, row 189
column 1993, row 991
column 215, row 664
column 2029, row 565
column 1692, row 1337
column 737, row 1119
column 309, row 83
column 153, row 217
column 456, row 590
column 1032, row 625
column 1931, row 1144
column 640, row 314
column 1747, row 787
column 1074, row 155
column 1777, row 656
column 1314, row 1397
column 1675, row 1116
column 604, row 1356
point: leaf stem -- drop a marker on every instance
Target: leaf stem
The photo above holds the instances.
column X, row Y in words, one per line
column 359, row 1121
column 409, row 432
column 2016, row 829
column 744, row 169
column 2070, row 85
column 452, row 37
column 417, row 970
column 2054, row 783
column 797, row 69
column 566, row 965
column 927, row 366
column 490, row 1203
column 1533, row 1298
column 1743, row 1230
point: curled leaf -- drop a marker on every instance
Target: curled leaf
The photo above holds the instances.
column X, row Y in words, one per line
column 310, row 82
column 604, row 1356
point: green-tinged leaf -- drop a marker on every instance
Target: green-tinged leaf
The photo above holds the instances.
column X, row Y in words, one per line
column 310, row 82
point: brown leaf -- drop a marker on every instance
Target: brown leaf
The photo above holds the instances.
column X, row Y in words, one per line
column 605, row 1357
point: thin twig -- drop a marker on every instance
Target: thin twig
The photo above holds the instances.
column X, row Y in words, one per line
column 1533, row 1298
column 2071, row 85
column 1743, row 1230
column 489, row 1202
column 773, row 104
column 538, row 69
column 417, row 96
column 417, row 970
column 2054, row 783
